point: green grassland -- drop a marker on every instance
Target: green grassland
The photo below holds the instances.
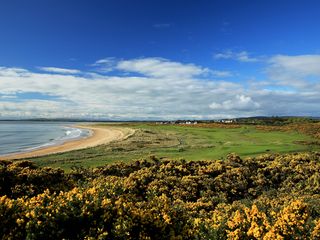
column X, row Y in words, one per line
column 190, row 143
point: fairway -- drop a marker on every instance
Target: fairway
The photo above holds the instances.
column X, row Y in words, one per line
column 187, row 142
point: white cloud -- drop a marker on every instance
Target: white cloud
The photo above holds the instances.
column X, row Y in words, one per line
column 60, row 70
column 13, row 72
column 302, row 65
column 160, row 67
column 154, row 88
column 217, row 73
column 302, row 71
column 164, row 89
column 242, row 56
column 239, row 102
column 8, row 97
column 104, row 65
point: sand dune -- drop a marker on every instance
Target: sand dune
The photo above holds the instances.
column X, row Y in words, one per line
column 100, row 135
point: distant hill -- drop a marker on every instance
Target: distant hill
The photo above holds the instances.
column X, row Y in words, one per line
column 283, row 120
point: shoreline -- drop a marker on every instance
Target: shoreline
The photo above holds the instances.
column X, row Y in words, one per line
column 98, row 136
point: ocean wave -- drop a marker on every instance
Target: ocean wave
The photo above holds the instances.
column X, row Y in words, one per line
column 18, row 137
column 70, row 133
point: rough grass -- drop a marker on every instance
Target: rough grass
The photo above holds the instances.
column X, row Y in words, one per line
column 190, row 143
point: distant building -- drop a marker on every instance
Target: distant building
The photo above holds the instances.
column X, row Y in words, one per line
column 227, row 121
column 177, row 122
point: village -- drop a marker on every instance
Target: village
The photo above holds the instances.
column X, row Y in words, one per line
column 194, row 122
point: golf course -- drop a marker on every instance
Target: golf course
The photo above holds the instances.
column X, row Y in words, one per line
column 189, row 142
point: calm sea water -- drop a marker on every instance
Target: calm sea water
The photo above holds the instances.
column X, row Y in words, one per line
column 18, row 136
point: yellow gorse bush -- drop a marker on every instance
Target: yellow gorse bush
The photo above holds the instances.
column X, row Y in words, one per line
column 267, row 197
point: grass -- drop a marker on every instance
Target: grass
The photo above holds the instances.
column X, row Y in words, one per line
column 190, row 143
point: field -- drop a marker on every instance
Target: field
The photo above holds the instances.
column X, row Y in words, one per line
column 206, row 142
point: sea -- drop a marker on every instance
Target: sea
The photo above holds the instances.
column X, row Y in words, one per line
column 26, row 136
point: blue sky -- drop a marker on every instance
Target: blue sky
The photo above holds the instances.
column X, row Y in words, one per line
column 122, row 59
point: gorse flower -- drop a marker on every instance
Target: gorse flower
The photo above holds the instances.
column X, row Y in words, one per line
column 232, row 199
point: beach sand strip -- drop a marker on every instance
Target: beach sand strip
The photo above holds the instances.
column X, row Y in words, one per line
column 99, row 136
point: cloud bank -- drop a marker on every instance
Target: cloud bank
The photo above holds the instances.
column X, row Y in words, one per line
column 157, row 88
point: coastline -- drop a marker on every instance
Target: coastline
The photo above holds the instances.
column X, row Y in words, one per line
column 99, row 136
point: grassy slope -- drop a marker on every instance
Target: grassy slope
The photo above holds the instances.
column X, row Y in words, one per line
column 183, row 142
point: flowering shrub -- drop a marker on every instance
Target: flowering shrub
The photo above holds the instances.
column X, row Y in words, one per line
column 267, row 197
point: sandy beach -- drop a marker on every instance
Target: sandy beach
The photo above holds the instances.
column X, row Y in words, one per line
column 100, row 135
